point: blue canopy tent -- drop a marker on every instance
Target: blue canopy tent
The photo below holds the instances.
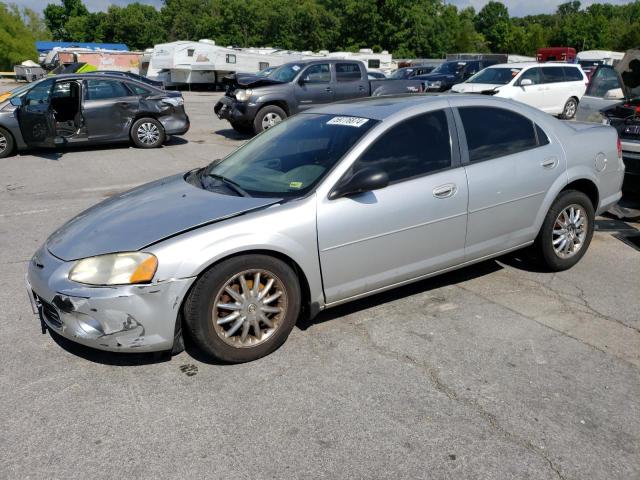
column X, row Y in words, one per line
column 46, row 46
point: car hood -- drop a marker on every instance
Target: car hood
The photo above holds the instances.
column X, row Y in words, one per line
column 434, row 77
column 474, row 87
column 248, row 81
column 145, row 215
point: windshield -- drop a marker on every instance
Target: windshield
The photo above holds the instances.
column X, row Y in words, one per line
column 285, row 73
column 449, row 68
column 401, row 73
column 289, row 159
column 495, row 76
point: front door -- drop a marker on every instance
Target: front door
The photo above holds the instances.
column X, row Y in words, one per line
column 109, row 108
column 35, row 116
column 530, row 94
column 512, row 164
column 413, row 227
column 314, row 86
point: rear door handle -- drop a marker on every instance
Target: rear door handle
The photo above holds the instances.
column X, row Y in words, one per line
column 550, row 163
column 445, row 191
column 328, row 89
column 361, row 88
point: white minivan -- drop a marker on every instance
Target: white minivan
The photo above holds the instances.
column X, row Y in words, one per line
column 555, row 88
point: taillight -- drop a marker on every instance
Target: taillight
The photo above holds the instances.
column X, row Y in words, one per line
column 619, row 149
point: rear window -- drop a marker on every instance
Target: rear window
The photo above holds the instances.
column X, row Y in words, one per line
column 105, row 89
column 552, row 74
column 603, row 80
column 495, row 132
column 347, row 72
column 572, row 74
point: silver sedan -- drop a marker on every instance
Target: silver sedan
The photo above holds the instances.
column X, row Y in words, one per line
column 334, row 204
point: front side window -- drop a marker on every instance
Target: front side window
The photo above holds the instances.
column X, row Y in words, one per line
column 288, row 160
column 105, row 89
column 317, row 73
column 495, row 132
column 603, row 80
column 411, row 148
column 552, row 74
column 532, row 74
column 39, row 94
column 347, row 72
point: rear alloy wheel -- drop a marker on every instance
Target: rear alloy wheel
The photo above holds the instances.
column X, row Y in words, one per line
column 268, row 117
column 6, row 143
column 566, row 231
column 243, row 308
column 570, row 109
column 147, row 133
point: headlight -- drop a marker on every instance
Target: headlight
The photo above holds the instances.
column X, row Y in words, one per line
column 243, row 95
column 115, row 269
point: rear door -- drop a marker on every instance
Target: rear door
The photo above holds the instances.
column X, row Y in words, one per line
column 35, row 116
column 314, row 86
column 351, row 81
column 510, row 163
column 414, row 226
column 556, row 90
column 603, row 80
column 109, row 108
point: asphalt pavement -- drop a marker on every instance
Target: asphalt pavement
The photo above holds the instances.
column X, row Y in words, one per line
column 496, row 371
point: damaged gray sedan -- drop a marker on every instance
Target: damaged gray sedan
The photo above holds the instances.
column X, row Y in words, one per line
column 332, row 205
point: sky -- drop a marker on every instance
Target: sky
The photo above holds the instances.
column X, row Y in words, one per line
column 517, row 8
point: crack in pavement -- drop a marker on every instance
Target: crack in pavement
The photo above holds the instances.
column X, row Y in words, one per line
column 443, row 388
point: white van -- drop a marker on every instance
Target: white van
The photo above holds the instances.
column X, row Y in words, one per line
column 555, row 88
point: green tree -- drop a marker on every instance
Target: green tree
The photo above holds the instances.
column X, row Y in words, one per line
column 494, row 23
column 17, row 42
column 56, row 17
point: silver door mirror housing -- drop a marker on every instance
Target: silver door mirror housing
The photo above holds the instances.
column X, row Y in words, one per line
column 525, row 82
column 614, row 94
column 16, row 101
column 365, row 180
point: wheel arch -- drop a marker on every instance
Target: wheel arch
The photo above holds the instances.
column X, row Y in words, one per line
column 13, row 139
column 277, row 103
column 586, row 186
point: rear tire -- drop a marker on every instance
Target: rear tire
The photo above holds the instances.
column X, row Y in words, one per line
column 147, row 133
column 570, row 109
column 566, row 231
column 263, row 306
column 6, row 143
column 268, row 117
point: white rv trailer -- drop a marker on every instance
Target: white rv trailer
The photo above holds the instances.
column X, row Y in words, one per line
column 186, row 62
column 602, row 57
column 374, row 61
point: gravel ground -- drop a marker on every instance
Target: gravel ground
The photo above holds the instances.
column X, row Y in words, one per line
column 494, row 371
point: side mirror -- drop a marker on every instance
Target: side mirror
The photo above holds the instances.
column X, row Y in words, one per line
column 364, row 180
column 525, row 82
column 301, row 81
column 16, row 101
column 614, row 94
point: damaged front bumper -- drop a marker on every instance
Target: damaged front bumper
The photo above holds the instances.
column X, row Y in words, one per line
column 127, row 318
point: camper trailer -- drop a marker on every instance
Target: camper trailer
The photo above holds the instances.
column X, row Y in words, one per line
column 123, row 61
column 374, row 61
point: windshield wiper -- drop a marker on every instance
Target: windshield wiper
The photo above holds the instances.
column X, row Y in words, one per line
column 230, row 183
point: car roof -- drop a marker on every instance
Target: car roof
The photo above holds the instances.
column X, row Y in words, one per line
column 376, row 108
column 532, row 64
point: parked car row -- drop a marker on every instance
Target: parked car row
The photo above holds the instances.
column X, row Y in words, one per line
column 87, row 109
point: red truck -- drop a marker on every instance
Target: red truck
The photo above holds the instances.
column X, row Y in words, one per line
column 556, row 54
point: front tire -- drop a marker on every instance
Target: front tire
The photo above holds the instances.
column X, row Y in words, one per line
column 570, row 109
column 243, row 308
column 147, row 133
column 268, row 117
column 566, row 231
column 6, row 143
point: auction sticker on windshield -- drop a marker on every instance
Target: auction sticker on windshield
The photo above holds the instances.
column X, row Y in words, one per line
column 348, row 121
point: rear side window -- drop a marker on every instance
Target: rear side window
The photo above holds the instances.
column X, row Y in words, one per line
column 415, row 147
column 138, row 90
column 552, row 74
column 104, row 89
column 347, row 72
column 603, row 80
column 495, row 132
column 572, row 74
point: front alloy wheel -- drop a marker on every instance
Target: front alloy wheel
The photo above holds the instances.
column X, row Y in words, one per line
column 243, row 308
column 249, row 308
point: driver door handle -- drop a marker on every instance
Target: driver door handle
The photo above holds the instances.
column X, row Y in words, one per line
column 445, row 191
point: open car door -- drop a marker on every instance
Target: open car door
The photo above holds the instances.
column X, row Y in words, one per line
column 36, row 117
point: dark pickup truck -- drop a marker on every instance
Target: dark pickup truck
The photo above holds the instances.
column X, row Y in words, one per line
column 253, row 104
